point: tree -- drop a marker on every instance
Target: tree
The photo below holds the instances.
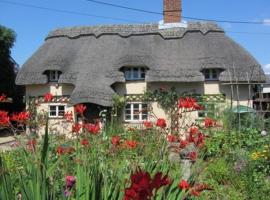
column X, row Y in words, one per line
column 8, row 69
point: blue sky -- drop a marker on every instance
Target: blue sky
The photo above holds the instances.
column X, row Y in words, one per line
column 32, row 25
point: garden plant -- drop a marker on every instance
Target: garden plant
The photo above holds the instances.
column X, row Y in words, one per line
column 113, row 162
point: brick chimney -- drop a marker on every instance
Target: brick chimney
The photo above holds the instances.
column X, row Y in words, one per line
column 172, row 11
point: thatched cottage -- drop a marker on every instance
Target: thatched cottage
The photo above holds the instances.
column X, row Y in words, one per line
column 91, row 64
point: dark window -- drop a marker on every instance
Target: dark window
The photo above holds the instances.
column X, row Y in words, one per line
column 211, row 74
column 57, row 110
column 134, row 73
column 53, row 75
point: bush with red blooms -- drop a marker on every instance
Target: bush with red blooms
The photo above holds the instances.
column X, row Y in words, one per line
column 172, row 138
column 161, row 123
column 20, row 117
column 76, row 128
column 189, row 104
column 142, row 185
column 48, row 97
column 4, row 118
column 80, row 108
column 3, row 97
column 70, row 182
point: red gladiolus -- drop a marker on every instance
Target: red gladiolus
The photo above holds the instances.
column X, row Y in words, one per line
column 192, row 155
column 21, row 117
column 208, row 122
column 115, row 140
column 148, row 124
column 4, row 118
column 76, row 128
column 183, row 144
column 142, row 185
column 92, row 128
column 161, row 123
column 172, row 138
column 3, row 98
column 85, row 142
column 183, row 185
column 80, row 108
column 68, row 116
column 194, row 130
column 48, row 97
column 131, row 144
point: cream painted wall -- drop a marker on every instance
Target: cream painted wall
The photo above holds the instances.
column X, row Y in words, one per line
column 40, row 90
column 56, row 125
column 211, row 87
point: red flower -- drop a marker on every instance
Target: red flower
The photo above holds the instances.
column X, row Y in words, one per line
column 142, row 185
column 183, row 185
column 148, row 124
column 159, row 181
column 21, row 117
column 198, row 188
column 208, row 122
column 48, row 97
column 171, row 138
column 76, row 128
column 4, row 118
column 80, row 108
column 85, row 142
column 161, row 123
column 3, row 98
column 115, row 140
column 194, row 130
column 64, row 150
column 68, row 116
column 183, row 144
column 192, row 155
column 188, row 103
column 92, row 128
column 131, row 144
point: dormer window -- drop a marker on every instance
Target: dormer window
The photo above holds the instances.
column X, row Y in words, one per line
column 211, row 74
column 53, row 75
column 134, row 73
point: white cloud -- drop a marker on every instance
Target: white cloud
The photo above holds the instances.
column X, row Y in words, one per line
column 266, row 22
column 266, row 69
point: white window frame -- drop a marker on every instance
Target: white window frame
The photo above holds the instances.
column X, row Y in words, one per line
column 54, row 73
column 57, row 111
column 131, row 70
column 211, row 73
column 132, row 112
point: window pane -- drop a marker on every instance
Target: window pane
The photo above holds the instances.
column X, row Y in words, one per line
column 128, row 107
column 127, row 117
column 127, row 74
column 136, row 117
column 52, row 110
column 142, row 75
column 61, row 110
column 135, row 73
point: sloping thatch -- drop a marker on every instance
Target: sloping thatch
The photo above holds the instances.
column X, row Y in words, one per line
column 90, row 57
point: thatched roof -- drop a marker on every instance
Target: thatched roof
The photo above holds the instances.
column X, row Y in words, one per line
column 90, row 57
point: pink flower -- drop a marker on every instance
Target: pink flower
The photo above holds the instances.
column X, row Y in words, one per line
column 70, row 181
column 161, row 123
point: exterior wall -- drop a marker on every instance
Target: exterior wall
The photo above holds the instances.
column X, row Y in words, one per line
column 56, row 125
